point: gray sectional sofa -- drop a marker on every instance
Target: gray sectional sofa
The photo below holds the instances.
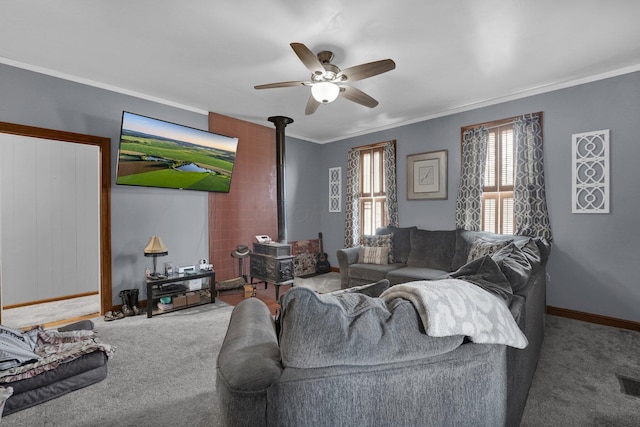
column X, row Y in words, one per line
column 421, row 255
column 351, row 358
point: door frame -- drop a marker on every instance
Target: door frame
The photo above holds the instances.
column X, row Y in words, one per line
column 104, row 145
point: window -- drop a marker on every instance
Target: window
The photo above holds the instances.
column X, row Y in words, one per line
column 373, row 212
column 497, row 193
column 506, row 199
column 370, row 199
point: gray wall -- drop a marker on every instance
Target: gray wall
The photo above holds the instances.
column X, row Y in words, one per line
column 178, row 217
column 592, row 267
column 594, row 257
column 305, row 177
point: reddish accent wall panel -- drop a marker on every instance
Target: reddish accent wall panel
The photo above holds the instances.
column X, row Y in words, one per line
column 250, row 208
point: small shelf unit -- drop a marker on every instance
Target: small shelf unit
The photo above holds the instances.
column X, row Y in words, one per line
column 176, row 286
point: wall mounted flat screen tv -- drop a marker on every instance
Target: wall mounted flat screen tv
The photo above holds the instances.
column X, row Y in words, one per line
column 155, row 153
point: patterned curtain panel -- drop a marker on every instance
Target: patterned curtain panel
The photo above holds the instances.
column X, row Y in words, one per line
column 474, row 156
column 352, row 200
column 529, row 196
column 389, row 158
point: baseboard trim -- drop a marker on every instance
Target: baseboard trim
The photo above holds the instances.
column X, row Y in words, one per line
column 594, row 318
column 43, row 301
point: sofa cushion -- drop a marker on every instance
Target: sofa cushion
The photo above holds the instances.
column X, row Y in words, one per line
column 485, row 273
column 375, row 241
column 401, row 241
column 431, row 249
column 483, row 246
column 372, row 289
column 353, row 329
column 514, row 264
column 410, row 274
column 374, row 255
column 517, row 309
column 464, row 240
column 371, row 272
column 531, row 251
column 544, row 248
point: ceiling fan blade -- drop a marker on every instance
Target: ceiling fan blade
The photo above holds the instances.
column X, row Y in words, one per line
column 369, row 69
column 312, row 106
column 308, row 58
column 357, row 96
column 280, row 84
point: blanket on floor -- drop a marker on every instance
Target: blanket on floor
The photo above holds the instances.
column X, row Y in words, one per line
column 50, row 349
column 455, row 307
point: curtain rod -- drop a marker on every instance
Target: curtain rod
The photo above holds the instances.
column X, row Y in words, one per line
column 504, row 122
column 501, row 124
column 370, row 146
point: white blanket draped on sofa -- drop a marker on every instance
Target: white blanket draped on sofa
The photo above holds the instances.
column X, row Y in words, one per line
column 455, row 307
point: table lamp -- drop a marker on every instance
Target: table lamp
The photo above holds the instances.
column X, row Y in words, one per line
column 155, row 248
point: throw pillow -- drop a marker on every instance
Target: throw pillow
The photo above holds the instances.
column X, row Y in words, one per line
column 373, row 255
column 376, row 241
column 373, row 289
column 320, row 330
column 530, row 251
column 485, row 273
column 515, row 266
column 401, row 241
column 482, row 247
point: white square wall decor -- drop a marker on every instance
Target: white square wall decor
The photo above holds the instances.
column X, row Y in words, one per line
column 590, row 172
column 335, row 189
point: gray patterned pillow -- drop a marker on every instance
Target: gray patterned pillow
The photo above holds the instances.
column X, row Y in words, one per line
column 381, row 240
column 482, row 247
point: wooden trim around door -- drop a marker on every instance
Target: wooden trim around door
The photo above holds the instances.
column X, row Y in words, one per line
column 104, row 145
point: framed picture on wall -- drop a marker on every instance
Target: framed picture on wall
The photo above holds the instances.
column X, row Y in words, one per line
column 427, row 175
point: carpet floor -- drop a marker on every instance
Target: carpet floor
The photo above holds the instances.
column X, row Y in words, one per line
column 576, row 381
column 48, row 312
column 163, row 374
column 322, row 283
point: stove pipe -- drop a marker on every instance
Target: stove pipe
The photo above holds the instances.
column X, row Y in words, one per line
column 280, row 123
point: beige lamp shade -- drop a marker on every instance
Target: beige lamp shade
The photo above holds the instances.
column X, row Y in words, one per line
column 155, row 247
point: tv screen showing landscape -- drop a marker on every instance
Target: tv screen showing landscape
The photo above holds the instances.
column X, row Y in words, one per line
column 155, row 153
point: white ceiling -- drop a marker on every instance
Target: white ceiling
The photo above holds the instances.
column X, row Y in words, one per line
column 208, row 55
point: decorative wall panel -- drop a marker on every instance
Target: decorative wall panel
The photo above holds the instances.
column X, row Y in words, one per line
column 590, row 172
column 335, row 189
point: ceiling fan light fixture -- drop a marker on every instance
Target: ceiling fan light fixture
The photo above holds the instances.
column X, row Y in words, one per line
column 325, row 92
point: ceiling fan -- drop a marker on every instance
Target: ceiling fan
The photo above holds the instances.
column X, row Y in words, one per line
column 328, row 81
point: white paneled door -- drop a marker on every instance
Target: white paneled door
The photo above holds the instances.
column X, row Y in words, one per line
column 49, row 219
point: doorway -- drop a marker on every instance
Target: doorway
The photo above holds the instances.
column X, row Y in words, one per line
column 56, row 244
